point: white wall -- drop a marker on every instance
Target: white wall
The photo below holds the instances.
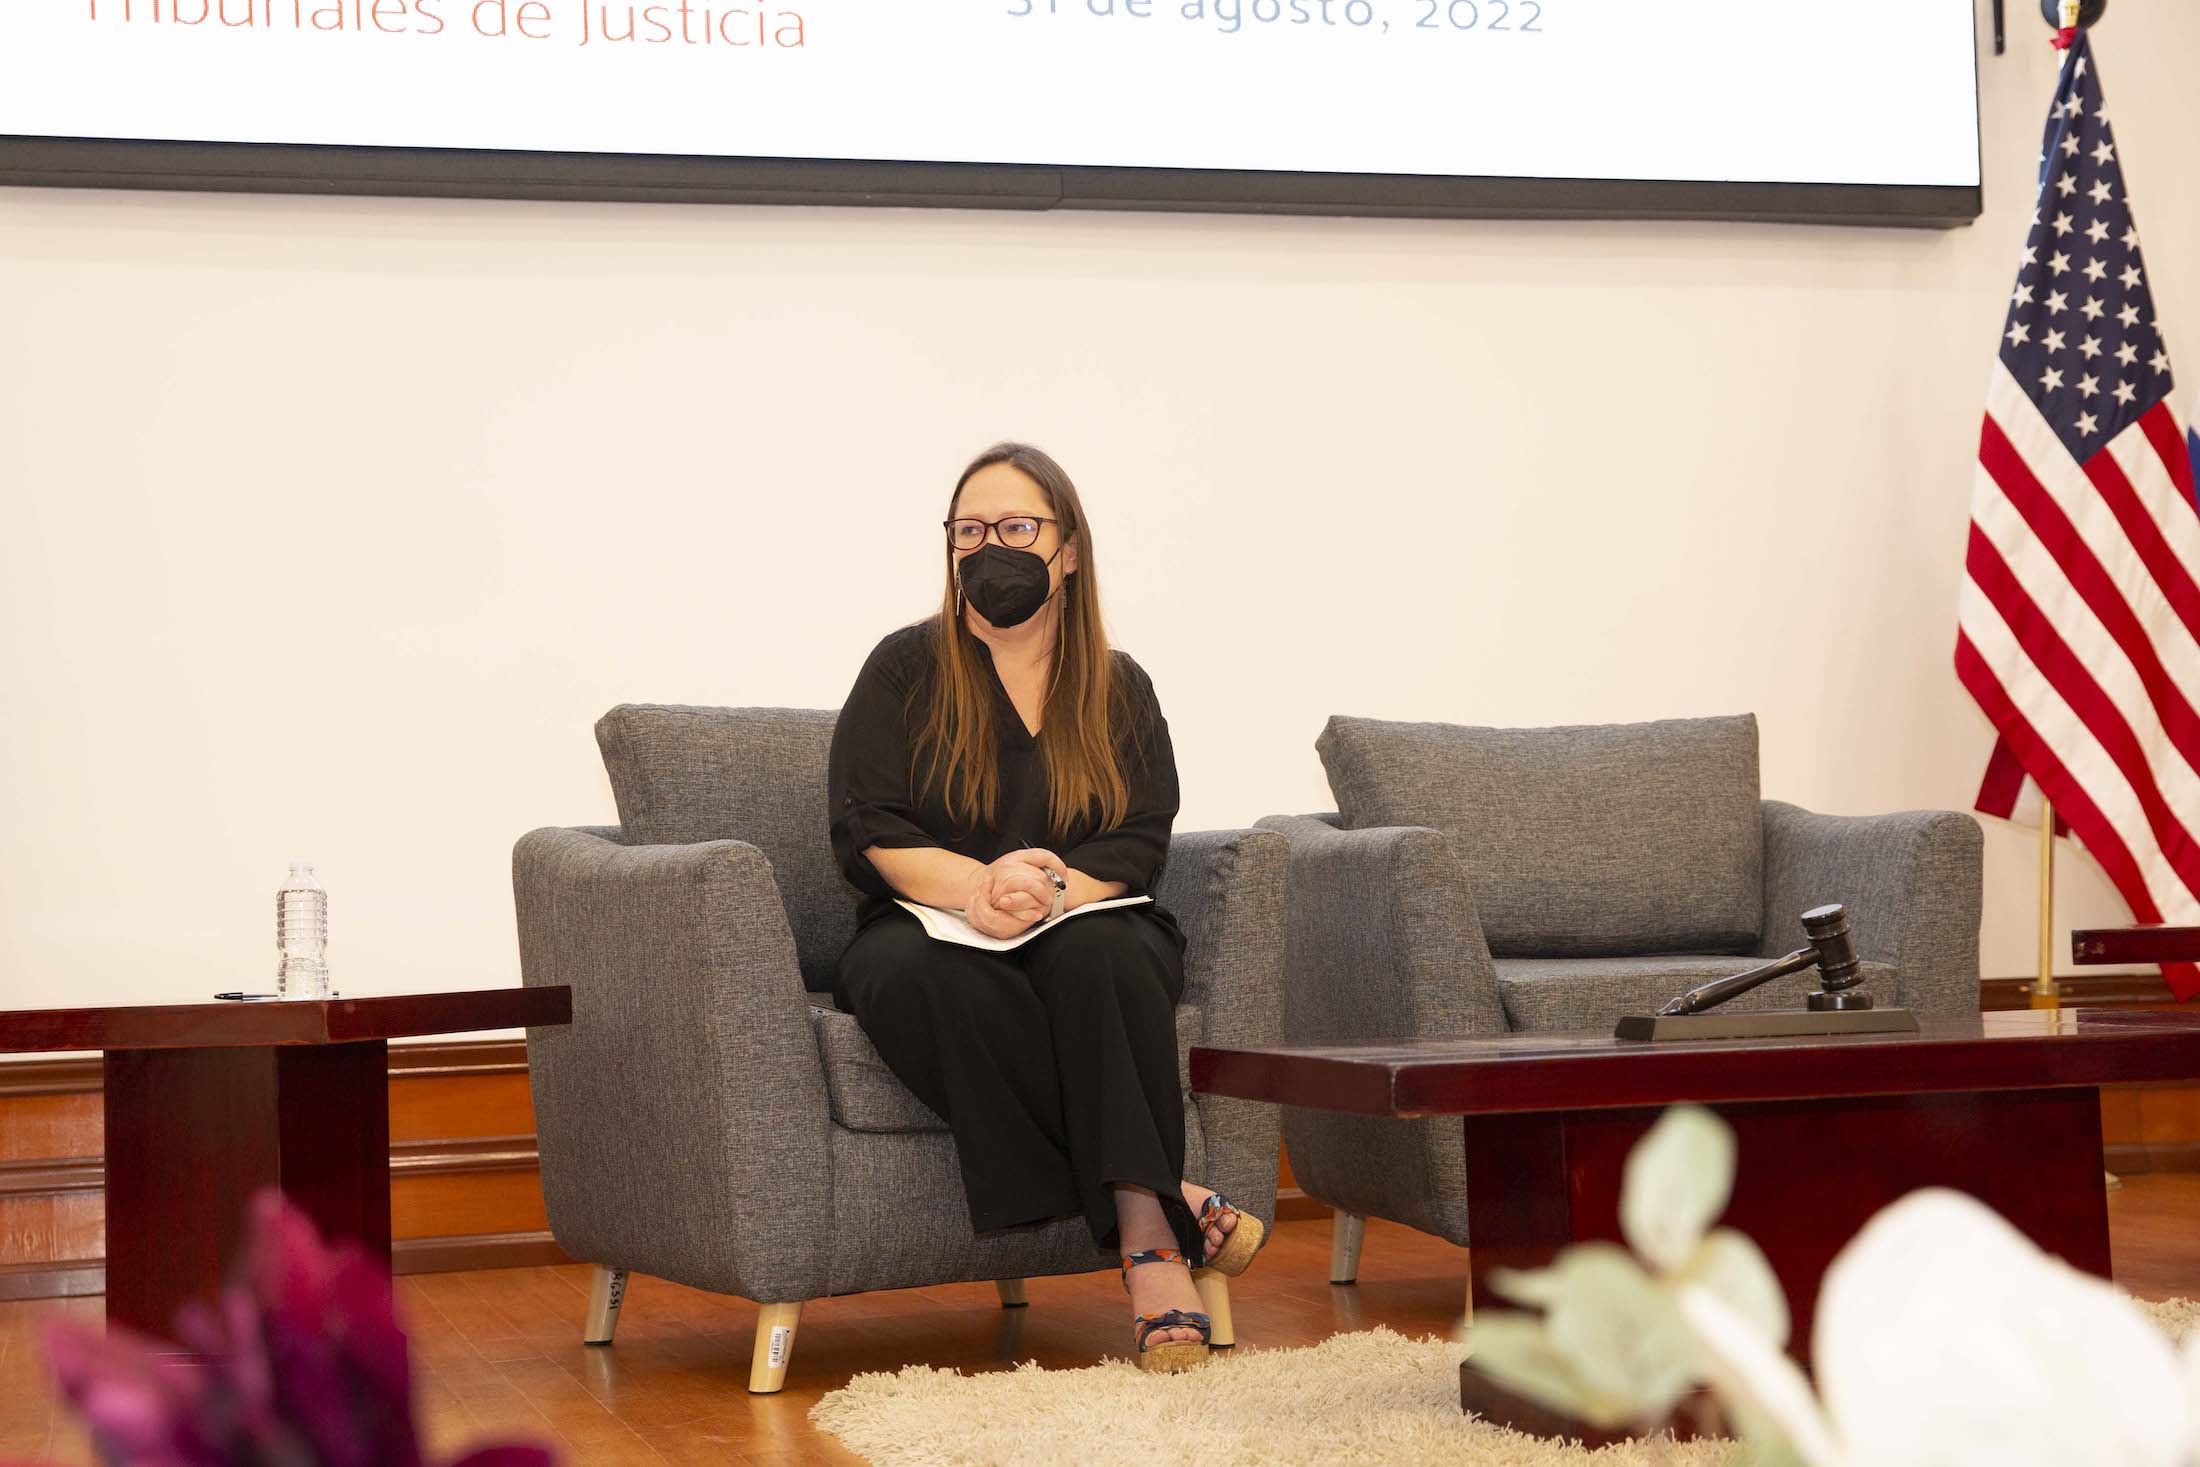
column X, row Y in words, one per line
column 333, row 523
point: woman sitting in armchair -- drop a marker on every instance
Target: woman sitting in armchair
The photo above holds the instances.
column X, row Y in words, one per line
column 999, row 760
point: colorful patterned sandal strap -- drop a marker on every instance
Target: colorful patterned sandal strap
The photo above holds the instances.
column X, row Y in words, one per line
column 1216, row 1202
column 1150, row 1255
column 1151, row 1324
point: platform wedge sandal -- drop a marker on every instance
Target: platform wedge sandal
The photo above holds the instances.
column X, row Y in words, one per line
column 1170, row 1356
column 1240, row 1243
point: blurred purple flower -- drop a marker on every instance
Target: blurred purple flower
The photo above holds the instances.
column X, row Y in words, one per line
column 301, row 1363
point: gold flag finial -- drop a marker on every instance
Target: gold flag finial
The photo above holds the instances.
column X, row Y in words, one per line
column 2068, row 35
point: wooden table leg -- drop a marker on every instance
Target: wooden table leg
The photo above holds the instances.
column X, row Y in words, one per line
column 193, row 1133
column 1809, row 1175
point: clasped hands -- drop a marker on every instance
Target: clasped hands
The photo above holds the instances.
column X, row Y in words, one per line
column 1013, row 892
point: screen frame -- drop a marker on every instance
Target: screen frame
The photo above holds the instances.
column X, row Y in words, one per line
column 232, row 167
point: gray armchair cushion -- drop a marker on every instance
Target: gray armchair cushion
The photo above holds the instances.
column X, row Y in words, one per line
column 867, row 1096
column 899, row 1222
column 1547, row 994
column 682, row 775
column 1598, row 840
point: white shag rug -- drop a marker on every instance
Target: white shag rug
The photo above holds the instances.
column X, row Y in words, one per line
column 1370, row 1397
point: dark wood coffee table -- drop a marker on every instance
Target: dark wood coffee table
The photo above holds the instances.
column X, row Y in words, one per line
column 2005, row 1107
column 208, row 1102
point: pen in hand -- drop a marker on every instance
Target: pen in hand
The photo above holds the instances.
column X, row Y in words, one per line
column 1039, row 907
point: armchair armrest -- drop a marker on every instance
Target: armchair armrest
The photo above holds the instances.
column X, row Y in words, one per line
column 689, row 1079
column 1385, row 944
column 1385, row 940
column 1228, row 890
column 1912, row 882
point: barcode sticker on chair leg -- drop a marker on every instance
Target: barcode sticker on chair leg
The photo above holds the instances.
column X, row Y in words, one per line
column 782, row 1343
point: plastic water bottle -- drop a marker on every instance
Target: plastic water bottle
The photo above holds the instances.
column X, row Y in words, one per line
column 301, row 935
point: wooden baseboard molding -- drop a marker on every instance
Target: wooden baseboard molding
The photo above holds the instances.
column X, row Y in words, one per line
column 51, row 1176
column 1293, row 1205
column 465, row 1156
column 476, row 1250
column 66, row 1279
column 75, row 1075
column 2131, row 1158
column 76, row 1277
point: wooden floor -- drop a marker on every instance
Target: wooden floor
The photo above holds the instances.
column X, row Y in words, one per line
column 497, row 1354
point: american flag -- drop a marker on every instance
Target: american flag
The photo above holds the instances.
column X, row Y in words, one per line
column 2079, row 624
column 2192, row 437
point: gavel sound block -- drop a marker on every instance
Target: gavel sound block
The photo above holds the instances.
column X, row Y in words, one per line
column 1839, row 1006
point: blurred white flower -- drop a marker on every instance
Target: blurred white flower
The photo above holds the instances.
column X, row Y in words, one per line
column 1609, row 1348
column 1945, row 1338
column 1677, row 1182
column 1764, row 1390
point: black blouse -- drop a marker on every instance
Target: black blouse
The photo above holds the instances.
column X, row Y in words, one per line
column 870, row 780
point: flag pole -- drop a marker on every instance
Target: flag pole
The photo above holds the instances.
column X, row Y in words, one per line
column 2046, row 993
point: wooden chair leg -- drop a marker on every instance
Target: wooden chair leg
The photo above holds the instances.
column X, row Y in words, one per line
column 1214, row 1302
column 606, row 1292
column 1012, row 1293
column 775, row 1324
column 1345, row 1236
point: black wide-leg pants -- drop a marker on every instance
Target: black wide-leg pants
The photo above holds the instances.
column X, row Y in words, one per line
column 1054, row 1064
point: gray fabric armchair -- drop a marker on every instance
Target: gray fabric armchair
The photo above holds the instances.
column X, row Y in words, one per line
column 710, row 1118
column 1484, row 881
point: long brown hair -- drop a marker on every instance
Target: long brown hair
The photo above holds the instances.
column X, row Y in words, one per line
column 958, row 744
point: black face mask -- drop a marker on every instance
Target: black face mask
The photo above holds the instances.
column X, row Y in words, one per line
column 1006, row 586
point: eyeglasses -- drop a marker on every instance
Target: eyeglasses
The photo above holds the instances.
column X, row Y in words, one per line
column 1017, row 532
